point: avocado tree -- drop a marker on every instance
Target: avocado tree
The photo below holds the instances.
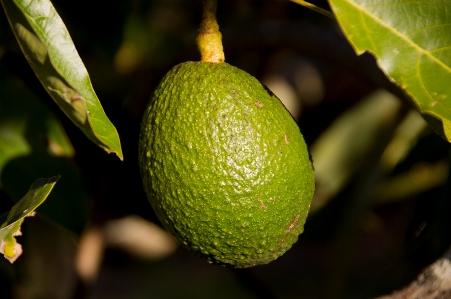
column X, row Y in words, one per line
column 366, row 81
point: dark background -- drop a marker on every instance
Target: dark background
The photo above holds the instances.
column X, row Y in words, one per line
column 354, row 245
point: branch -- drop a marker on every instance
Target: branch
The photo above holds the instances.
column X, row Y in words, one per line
column 315, row 8
column 433, row 283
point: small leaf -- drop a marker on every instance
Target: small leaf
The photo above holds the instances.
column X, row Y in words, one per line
column 58, row 142
column 21, row 129
column 12, row 221
column 33, row 144
column 411, row 41
column 49, row 49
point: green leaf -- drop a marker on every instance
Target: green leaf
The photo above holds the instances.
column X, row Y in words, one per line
column 51, row 53
column 337, row 162
column 23, row 129
column 34, row 144
column 58, row 142
column 12, row 221
column 411, row 41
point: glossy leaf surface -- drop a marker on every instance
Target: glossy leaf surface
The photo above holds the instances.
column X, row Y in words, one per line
column 411, row 41
column 51, row 53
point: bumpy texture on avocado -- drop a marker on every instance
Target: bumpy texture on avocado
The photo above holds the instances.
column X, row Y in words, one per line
column 224, row 165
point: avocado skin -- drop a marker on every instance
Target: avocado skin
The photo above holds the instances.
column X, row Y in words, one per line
column 224, row 165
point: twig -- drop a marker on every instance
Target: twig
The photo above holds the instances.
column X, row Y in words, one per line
column 315, row 8
column 358, row 203
column 433, row 283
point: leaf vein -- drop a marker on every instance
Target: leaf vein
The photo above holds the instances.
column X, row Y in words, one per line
column 28, row 4
column 368, row 33
column 426, row 28
column 403, row 3
column 401, row 36
column 420, row 79
column 440, row 49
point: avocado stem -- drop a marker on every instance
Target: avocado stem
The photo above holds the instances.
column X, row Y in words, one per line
column 209, row 38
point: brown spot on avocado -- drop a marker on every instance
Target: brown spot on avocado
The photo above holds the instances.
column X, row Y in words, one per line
column 263, row 205
column 293, row 223
column 286, row 139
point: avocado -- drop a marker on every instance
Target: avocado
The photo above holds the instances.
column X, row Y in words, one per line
column 224, row 165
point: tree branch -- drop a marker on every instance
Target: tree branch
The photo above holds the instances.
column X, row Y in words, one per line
column 434, row 282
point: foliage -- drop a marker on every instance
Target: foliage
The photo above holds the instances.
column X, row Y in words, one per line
column 12, row 221
column 51, row 53
column 411, row 42
column 383, row 183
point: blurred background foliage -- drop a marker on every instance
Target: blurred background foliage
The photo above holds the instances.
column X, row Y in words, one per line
column 380, row 212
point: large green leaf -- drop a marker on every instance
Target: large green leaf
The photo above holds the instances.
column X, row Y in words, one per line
column 51, row 53
column 411, row 41
column 12, row 221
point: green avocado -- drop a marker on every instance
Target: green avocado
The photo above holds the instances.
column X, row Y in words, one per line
column 224, row 165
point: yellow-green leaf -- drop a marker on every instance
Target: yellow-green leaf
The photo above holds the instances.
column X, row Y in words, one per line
column 12, row 221
column 411, row 41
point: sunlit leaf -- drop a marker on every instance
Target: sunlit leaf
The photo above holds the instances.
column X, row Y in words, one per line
column 411, row 41
column 51, row 53
column 12, row 221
